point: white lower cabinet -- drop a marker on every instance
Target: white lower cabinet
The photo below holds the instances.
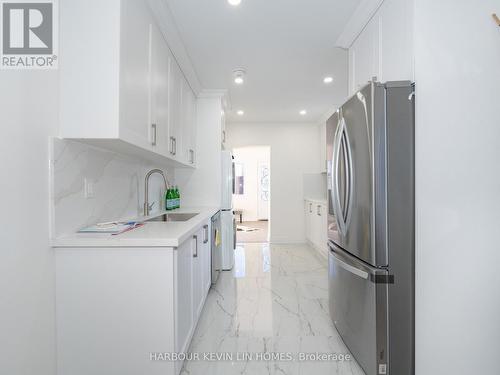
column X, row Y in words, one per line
column 316, row 219
column 119, row 310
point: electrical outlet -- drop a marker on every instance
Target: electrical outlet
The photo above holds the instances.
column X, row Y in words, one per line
column 88, row 189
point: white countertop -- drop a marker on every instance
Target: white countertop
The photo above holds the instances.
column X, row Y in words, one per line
column 152, row 234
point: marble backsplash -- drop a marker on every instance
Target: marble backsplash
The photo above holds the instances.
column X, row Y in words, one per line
column 118, row 186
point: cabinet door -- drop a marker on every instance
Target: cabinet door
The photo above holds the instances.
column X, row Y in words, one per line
column 207, row 258
column 319, row 225
column 136, row 29
column 184, row 295
column 188, row 123
column 307, row 213
column 316, row 223
column 175, row 109
column 223, row 127
column 159, row 92
column 324, row 228
column 197, row 274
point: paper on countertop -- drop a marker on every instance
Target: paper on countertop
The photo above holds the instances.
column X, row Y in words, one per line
column 107, row 228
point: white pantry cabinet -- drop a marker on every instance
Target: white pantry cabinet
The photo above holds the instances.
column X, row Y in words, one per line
column 116, row 307
column 384, row 49
column 316, row 219
column 120, row 86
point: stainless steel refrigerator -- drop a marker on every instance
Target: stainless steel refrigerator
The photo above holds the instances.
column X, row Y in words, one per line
column 370, row 148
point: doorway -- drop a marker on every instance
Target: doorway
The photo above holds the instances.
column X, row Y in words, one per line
column 252, row 193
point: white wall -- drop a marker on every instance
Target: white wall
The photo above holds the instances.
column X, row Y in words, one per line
column 294, row 152
column 457, row 71
column 28, row 115
column 250, row 158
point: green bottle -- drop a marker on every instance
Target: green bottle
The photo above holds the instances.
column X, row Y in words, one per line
column 174, row 197
column 177, row 197
column 169, row 200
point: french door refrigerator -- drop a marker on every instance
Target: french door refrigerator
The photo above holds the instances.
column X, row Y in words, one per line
column 370, row 169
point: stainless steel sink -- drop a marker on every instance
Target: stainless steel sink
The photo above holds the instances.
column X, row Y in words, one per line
column 173, row 217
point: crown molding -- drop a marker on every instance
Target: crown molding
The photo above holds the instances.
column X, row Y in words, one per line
column 359, row 19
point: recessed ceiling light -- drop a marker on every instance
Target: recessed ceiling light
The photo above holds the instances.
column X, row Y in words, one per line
column 303, row 112
column 234, row 2
column 239, row 76
column 240, row 113
column 328, row 80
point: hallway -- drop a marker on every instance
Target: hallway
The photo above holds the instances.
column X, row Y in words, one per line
column 252, row 231
column 274, row 301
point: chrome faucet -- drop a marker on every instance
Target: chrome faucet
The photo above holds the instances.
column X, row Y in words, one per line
column 147, row 206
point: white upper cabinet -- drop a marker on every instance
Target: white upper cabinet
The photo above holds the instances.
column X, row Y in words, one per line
column 175, row 110
column 223, row 127
column 135, row 75
column 160, row 61
column 384, row 49
column 188, row 124
column 120, row 86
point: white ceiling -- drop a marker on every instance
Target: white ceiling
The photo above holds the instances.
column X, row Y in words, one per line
column 285, row 46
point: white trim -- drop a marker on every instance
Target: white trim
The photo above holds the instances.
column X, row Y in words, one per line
column 359, row 19
column 167, row 25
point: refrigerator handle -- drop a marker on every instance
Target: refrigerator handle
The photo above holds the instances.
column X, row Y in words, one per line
column 339, row 217
column 354, row 270
column 350, row 178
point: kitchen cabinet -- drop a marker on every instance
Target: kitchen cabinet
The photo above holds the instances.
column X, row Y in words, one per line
column 223, row 128
column 175, row 110
column 120, row 86
column 316, row 221
column 160, row 62
column 184, row 290
column 384, row 49
column 119, row 306
column 188, row 123
column 201, row 277
column 134, row 112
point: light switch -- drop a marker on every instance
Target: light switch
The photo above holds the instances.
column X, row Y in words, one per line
column 88, row 188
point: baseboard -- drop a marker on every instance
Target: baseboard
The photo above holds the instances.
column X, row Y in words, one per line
column 283, row 241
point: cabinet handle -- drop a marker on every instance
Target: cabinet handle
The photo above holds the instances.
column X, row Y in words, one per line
column 310, row 208
column 223, row 136
column 318, row 210
column 195, row 238
column 153, row 127
column 206, row 233
column 191, row 156
column 171, row 145
column 175, row 146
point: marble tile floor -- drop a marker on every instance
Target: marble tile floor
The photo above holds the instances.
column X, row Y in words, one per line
column 275, row 301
